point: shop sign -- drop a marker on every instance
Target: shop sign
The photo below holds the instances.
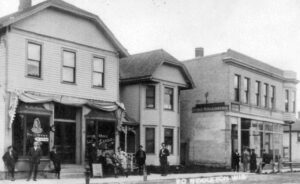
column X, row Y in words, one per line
column 210, row 107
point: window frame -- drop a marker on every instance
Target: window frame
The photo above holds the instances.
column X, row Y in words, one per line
column 258, row 93
column 63, row 66
column 298, row 136
column 266, row 95
column 102, row 73
column 151, row 97
column 272, row 98
column 237, row 81
column 247, row 89
column 146, row 141
column 173, row 142
column 172, row 98
column 293, row 95
column 31, row 42
column 286, row 100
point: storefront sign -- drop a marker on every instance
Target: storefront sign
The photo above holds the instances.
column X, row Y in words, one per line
column 210, row 107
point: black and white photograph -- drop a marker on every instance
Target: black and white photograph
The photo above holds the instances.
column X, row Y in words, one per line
column 149, row 91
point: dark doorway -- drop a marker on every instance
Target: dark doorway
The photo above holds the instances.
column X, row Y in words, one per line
column 65, row 141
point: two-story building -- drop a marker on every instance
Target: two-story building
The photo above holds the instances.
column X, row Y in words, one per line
column 151, row 83
column 59, row 81
column 239, row 102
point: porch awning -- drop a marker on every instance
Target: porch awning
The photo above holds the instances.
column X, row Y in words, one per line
column 33, row 109
column 101, row 115
column 127, row 120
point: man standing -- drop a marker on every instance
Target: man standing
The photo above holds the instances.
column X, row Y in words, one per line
column 55, row 158
column 163, row 159
column 245, row 159
column 253, row 165
column 10, row 158
column 140, row 157
column 236, row 161
column 35, row 155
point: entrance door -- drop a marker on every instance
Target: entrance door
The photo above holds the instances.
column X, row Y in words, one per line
column 65, row 141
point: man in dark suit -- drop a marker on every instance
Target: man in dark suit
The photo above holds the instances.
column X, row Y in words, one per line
column 163, row 159
column 140, row 157
column 236, row 161
column 10, row 158
column 35, row 154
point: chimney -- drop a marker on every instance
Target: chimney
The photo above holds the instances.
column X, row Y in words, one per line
column 24, row 4
column 199, row 52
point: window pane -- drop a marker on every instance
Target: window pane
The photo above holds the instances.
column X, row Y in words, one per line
column 98, row 64
column 97, row 79
column 150, row 96
column 150, row 140
column 69, row 59
column 168, row 98
column 68, row 74
column 33, row 68
column 34, row 52
column 169, row 139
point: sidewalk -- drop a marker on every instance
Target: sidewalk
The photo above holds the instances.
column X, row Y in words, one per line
column 152, row 178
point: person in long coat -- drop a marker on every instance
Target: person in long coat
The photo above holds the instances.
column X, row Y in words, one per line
column 55, row 158
column 140, row 157
column 10, row 158
column 35, row 154
column 236, row 161
column 163, row 159
column 92, row 156
column 245, row 159
column 253, row 165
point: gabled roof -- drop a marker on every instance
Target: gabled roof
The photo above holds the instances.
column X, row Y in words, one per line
column 61, row 5
column 141, row 67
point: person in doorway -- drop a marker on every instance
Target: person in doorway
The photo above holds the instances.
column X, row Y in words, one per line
column 264, row 159
column 92, row 156
column 253, row 165
column 35, row 154
column 55, row 158
column 245, row 159
column 236, row 161
column 140, row 157
column 163, row 159
column 122, row 157
column 10, row 158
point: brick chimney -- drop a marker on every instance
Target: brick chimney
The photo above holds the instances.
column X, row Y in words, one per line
column 24, row 4
column 199, row 52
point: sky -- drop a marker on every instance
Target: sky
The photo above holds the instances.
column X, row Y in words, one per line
column 268, row 30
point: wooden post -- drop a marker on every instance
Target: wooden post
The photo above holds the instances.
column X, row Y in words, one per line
column 290, row 146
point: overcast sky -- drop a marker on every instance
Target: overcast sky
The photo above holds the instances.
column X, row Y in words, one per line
column 268, row 30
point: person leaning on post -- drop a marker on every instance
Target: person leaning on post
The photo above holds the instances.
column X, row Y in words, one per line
column 163, row 159
column 35, row 154
column 10, row 158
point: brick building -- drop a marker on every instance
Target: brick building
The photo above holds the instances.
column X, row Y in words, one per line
column 238, row 102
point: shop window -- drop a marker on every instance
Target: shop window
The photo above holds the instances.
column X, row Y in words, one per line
column 30, row 128
column 285, row 152
column 237, row 88
column 69, row 67
column 64, row 112
column 150, row 96
column 169, row 98
column 98, row 72
column 169, row 139
column 34, row 59
column 150, row 140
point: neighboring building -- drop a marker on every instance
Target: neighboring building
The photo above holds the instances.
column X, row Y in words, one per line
column 238, row 102
column 295, row 143
column 59, row 81
column 150, row 87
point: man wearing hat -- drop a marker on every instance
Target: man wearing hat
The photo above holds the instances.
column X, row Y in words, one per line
column 35, row 154
column 140, row 157
column 163, row 159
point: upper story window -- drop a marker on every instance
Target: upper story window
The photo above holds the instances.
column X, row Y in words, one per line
column 237, row 88
column 257, row 93
column 286, row 100
column 293, row 101
column 272, row 97
column 34, row 59
column 169, row 98
column 98, row 72
column 246, row 89
column 69, row 66
column 150, row 96
column 266, row 96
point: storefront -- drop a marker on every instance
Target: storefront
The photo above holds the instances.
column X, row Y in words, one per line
column 67, row 123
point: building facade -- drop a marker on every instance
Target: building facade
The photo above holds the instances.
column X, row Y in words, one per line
column 239, row 102
column 59, row 82
column 151, row 83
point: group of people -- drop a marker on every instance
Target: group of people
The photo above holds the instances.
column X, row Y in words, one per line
column 35, row 153
column 248, row 158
